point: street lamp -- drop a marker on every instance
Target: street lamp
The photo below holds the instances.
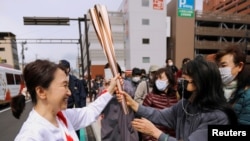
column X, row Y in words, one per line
column 46, row 20
column 63, row 21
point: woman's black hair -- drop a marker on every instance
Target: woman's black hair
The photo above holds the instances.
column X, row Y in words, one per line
column 209, row 87
column 136, row 71
column 17, row 105
column 36, row 73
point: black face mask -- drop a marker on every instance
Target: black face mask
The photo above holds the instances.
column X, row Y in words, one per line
column 182, row 89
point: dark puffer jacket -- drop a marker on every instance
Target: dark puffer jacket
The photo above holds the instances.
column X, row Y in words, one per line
column 242, row 107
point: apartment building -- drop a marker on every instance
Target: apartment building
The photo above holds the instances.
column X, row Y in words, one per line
column 97, row 56
column 8, row 50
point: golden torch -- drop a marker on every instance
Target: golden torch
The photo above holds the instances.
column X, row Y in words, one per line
column 100, row 20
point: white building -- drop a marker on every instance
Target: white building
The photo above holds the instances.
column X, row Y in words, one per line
column 97, row 56
column 139, row 30
column 145, row 33
column 8, row 50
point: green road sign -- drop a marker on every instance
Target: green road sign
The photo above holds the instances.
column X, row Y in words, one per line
column 185, row 13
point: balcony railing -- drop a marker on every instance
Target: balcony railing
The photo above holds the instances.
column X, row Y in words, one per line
column 216, row 31
column 218, row 45
column 222, row 17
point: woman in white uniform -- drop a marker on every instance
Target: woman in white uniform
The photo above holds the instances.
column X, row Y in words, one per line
column 49, row 119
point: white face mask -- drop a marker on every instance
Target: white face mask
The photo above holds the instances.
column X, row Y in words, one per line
column 161, row 84
column 136, row 79
column 226, row 75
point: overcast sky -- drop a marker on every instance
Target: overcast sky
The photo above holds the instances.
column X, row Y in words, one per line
column 11, row 20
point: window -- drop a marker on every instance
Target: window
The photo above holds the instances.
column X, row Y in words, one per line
column 145, row 21
column 145, row 59
column 145, row 3
column 10, row 78
column 2, row 49
column 18, row 78
column 145, row 41
column 3, row 60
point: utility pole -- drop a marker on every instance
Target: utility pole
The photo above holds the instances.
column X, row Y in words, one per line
column 88, row 57
column 22, row 53
column 81, row 46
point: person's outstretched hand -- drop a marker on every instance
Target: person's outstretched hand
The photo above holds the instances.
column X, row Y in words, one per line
column 129, row 100
column 145, row 126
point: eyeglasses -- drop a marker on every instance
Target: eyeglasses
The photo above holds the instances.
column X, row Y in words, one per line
column 188, row 80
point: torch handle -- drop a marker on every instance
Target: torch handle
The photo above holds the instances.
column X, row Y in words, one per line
column 123, row 102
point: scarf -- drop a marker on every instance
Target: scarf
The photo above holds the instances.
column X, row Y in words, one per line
column 229, row 89
column 63, row 119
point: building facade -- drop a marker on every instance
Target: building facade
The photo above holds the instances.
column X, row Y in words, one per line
column 8, row 50
column 217, row 31
column 96, row 53
column 145, row 33
column 143, row 36
column 228, row 6
column 181, row 41
column 205, row 33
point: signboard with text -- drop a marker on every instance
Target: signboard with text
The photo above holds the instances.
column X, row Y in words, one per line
column 186, row 8
column 158, row 4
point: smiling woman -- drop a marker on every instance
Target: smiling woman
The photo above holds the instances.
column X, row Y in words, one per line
column 47, row 84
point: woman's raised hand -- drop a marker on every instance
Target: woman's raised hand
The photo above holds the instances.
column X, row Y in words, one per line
column 129, row 100
column 113, row 84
